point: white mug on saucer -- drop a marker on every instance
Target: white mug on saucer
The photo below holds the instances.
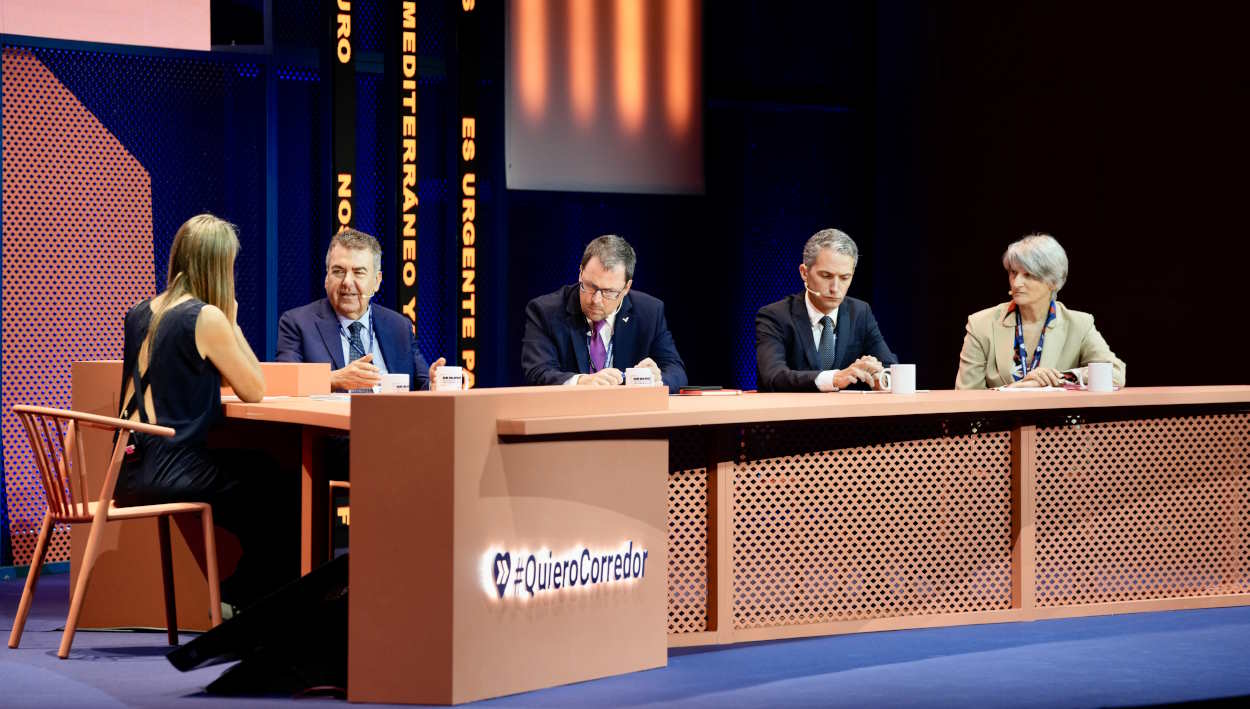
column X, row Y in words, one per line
column 448, row 378
column 1099, row 377
column 899, row 379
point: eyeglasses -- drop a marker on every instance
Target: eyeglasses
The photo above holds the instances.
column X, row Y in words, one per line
column 607, row 293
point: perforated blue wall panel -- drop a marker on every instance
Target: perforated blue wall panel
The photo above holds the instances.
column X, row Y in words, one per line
column 197, row 126
column 435, row 31
column 436, row 266
column 303, row 190
column 127, row 145
column 369, row 194
column 367, row 23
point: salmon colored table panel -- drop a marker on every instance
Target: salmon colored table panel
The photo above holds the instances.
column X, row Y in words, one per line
column 482, row 567
column 812, row 514
column 760, row 408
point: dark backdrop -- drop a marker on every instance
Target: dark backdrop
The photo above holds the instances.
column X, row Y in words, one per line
column 935, row 135
column 788, row 112
column 1121, row 131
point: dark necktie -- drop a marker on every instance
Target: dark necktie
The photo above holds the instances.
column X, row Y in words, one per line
column 353, row 341
column 598, row 350
column 827, row 339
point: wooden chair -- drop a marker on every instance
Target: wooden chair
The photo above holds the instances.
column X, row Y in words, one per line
column 55, row 437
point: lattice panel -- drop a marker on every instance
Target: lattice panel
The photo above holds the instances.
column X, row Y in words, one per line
column 1135, row 510
column 687, row 533
column 912, row 522
column 77, row 240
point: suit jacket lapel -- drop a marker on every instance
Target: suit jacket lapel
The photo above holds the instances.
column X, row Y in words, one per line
column 803, row 332
column 1056, row 338
column 394, row 347
column 625, row 349
column 1004, row 346
column 577, row 331
column 328, row 326
column 843, row 329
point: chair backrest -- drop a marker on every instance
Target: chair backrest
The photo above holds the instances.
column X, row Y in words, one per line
column 55, row 437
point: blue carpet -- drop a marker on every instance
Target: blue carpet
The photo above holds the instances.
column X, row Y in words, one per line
column 1126, row 660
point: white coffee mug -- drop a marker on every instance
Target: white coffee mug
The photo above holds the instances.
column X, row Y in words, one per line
column 393, row 383
column 899, row 379
column 1099, row 377
column 448, row 378
column 639, row 377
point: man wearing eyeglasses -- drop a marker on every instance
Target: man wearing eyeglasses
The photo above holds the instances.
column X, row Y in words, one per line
column 587, row 333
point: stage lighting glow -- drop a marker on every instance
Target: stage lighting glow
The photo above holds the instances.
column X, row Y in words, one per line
column 604, row 95
column 531, row 18
column 631, row 64
column 582, row 64
column 678, row 65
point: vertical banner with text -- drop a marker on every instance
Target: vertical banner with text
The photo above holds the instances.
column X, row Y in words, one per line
column 406, row 79
column 343, row 111
column 468, row 65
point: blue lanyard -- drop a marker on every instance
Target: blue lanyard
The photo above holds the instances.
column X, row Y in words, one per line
column 1021, row 355
column 347, row 337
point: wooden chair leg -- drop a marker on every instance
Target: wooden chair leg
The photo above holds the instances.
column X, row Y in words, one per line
column 167, row 579
column 94, row 540
column 210, row 566
column 32, row 578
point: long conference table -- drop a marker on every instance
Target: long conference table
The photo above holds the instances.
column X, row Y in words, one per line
column 510, row 539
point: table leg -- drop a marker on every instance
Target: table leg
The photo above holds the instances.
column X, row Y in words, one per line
column 314, row 501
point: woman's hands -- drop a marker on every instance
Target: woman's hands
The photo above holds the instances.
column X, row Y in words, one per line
column 1041, row 377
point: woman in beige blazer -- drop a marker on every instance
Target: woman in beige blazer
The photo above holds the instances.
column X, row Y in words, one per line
column 1031, row 340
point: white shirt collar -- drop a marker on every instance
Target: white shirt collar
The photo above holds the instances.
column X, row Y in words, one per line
column 346, row 322
column 814, row 314
column 609, row 323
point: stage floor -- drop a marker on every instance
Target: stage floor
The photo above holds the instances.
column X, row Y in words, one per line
column 1124, row 660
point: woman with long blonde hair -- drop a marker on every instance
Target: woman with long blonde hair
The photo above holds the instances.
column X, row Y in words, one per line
column 179, row 347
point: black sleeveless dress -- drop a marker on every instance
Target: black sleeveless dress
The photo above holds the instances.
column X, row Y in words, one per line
column 245, row 488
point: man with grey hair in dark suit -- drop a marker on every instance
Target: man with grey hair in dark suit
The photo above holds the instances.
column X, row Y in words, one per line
column 820, row 339
column 361, row 340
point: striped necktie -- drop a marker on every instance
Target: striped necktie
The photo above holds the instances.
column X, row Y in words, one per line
column 827, row 340
column 353, row 342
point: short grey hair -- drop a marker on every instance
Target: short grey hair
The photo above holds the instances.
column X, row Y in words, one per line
column 1041, row 256
column 612, row 251
column 830, row 239
column 350, row 238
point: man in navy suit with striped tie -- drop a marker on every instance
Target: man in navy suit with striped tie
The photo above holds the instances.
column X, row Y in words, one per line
column 589, row 332
column 360, row 341
column 819, row 339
